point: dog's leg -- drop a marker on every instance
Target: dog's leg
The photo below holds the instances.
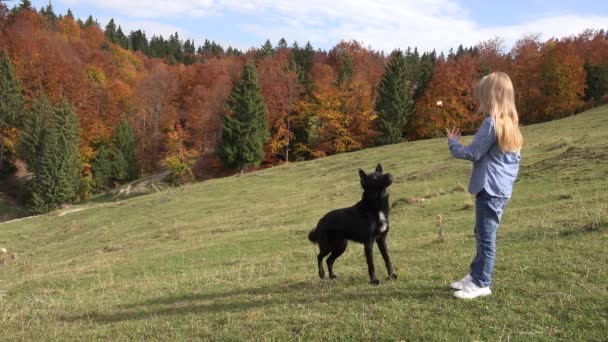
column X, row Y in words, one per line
column 323, row 251
column 369, row 255
column 339, row 248
column 387, row 260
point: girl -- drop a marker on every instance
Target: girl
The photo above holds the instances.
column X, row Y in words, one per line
column 495, row 153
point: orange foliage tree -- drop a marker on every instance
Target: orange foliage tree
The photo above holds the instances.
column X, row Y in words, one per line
column 562, row 78
column 280, row 88
column 156, row 113
column 179, row 159
column 526, row 58
column 452, row 87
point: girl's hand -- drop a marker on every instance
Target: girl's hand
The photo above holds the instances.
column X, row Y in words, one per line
column 453, row 134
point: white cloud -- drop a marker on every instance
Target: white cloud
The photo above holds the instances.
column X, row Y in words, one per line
column 383, row 24
column 549, row 27
column 152, row 8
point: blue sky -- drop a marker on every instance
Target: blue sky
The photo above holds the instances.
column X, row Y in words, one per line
column 381, row 24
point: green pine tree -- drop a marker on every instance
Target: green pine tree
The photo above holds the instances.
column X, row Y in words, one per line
column 344, row 68
column 121, row 38
column 44, row 187
column 304, row 59
column 282, row 44
column 596, row 81
column 110, row 31
column 50, row 147
column 138, row 41
column 119, row 167
column 244, row 131
column 124, row 145
column 267, row 50
column 68, row 140
column 11, row 100
column 34, row 128
column 49, row 12
column 25, row 5
column 394, row 105
column 90, row 22
column 427, row 67
column 102, row 168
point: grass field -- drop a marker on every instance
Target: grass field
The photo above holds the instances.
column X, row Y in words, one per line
column 228, row 259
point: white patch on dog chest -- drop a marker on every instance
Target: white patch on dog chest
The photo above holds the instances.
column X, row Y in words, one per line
column 383, row 222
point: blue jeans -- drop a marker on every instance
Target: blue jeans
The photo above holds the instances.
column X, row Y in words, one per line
column 488, row 212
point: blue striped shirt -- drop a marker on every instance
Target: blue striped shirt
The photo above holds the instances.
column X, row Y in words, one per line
column 493, row 170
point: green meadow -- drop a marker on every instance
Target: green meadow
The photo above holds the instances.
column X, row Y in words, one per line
column 229, row 260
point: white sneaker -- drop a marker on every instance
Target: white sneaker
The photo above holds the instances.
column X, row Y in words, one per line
column 460, row 284
column 471, row 291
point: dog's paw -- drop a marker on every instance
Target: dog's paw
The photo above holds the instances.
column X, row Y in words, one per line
column 333, row 276
column 322, row 275
column 392, row 276
column 375, row 282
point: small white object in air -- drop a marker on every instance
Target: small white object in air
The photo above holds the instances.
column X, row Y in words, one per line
column 440, row 103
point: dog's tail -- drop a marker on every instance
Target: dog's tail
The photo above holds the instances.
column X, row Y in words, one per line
column 313, row 236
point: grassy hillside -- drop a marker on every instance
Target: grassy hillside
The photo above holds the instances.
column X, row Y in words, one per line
column 228, row 259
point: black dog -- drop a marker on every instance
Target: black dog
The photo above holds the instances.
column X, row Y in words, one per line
column 365, row 222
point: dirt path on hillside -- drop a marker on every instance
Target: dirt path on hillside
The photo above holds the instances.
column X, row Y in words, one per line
column 143, row 186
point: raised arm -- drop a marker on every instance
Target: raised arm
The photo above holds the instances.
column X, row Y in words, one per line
column 484, row 139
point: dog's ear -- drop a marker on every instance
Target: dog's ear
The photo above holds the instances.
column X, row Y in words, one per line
column 363, row 177
column 379, row 168
column 389, row 179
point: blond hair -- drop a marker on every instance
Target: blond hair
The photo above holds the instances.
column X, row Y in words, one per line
column 496, row 98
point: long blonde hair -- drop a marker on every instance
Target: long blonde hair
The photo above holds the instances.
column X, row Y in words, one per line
column 496, row 98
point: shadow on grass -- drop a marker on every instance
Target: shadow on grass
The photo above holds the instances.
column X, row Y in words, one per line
column 253, row 297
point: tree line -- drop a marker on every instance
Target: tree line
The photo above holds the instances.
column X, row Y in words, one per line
column 172, row 103
column 49, row 144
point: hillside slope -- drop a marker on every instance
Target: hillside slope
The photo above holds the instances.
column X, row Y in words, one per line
column 228, row 259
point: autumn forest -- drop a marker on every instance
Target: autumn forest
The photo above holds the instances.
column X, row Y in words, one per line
column 128, row 104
